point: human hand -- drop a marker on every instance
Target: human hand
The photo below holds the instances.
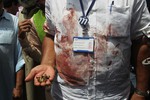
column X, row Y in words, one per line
column 137, row 97
column 17, row 93
column 41, row 71
column 24, row 26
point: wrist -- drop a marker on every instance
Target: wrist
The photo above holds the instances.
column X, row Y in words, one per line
column 141, row 93
column 18, row 87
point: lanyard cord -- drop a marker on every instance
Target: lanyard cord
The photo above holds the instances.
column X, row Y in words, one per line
column 81, row 4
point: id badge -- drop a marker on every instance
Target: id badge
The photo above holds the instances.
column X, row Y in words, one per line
column 83, row 44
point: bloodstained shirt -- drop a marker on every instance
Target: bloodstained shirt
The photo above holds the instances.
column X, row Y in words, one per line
column 105, row 72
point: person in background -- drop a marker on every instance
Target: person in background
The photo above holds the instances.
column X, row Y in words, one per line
column 11, row 60
column 11, row 6
column 89, row 42
column 34, row 16
column 133, row 62
column 38, row 12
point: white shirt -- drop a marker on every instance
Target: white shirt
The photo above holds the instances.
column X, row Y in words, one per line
column 103, row 75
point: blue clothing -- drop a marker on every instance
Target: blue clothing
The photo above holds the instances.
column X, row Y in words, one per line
column 10, row 54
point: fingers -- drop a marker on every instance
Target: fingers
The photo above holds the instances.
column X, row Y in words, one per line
column 31, row 75
column 47, row 83
column 38, row 79
column 34, row 72
column 25, row 22
column 42, row 80
column 42, row 75
column 24, row 26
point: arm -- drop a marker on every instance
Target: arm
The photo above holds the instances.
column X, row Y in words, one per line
column 48, row 52
column 47, row 64
column 18, row 88
column 141, row 51
column 17, row 91
column 142, row 71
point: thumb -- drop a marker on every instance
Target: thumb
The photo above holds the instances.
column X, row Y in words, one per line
column 37, row 70
column 31, row 75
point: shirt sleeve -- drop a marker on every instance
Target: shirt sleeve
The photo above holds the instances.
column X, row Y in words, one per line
column 49, row 25
column 140, row 18
column 18, row 54
column 20, row 60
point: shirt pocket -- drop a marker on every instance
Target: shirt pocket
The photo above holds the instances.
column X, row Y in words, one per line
column 118, row 21
column 6, row 37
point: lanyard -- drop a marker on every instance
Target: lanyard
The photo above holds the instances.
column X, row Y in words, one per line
column 83, row 20
column 82, row 7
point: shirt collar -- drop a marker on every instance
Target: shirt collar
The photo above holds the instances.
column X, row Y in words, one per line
column 5, row 15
